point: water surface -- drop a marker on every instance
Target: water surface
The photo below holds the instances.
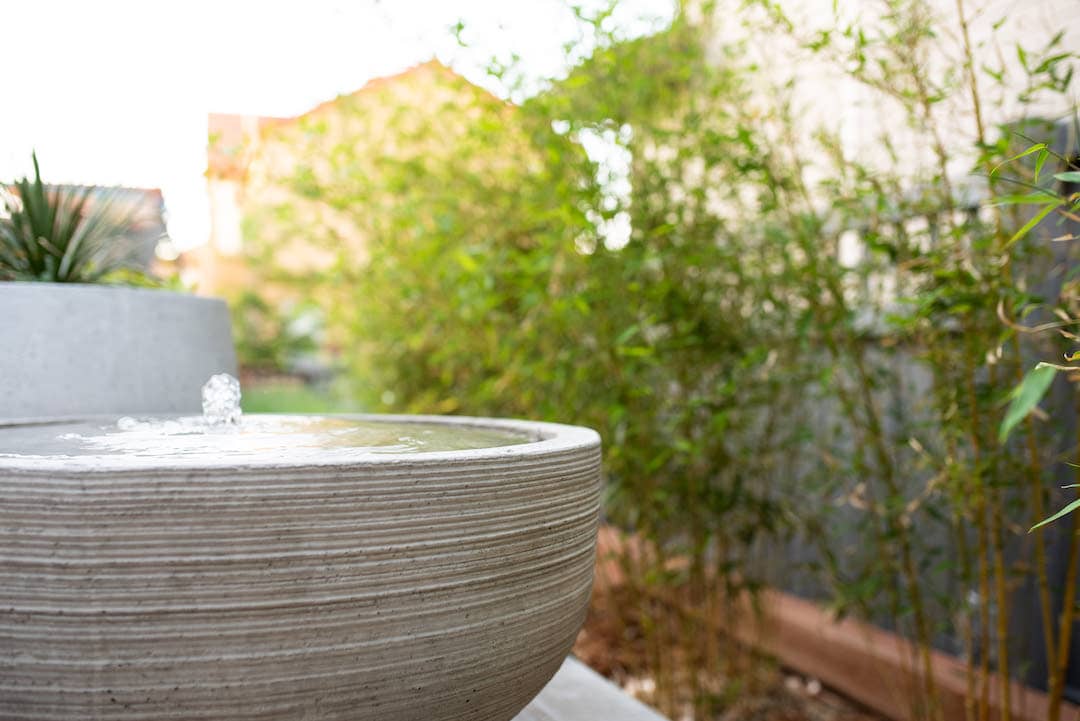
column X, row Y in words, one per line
column 254, row 438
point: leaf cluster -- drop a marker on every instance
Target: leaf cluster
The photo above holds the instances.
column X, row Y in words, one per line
column 62, row 234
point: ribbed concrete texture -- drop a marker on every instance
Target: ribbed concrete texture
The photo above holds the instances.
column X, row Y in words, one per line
column 72, row 349
column 428, row 587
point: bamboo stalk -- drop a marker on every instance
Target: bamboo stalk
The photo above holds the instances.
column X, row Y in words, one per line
column 984, row 536
column 1068, row 608
column 984, row 611
column 900, row 530
column 1002, row 599
column 1034, row 466
column 967, row 632
column 1038, row 506
column 1038, row 509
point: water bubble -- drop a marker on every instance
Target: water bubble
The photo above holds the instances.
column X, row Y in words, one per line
column 221, row 400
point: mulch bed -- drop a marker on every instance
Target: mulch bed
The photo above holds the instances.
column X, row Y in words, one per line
column 746, row 687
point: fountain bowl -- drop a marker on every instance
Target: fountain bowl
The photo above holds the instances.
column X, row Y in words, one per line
column 429, row 586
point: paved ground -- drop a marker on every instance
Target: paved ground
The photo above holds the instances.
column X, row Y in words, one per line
column 577, row 693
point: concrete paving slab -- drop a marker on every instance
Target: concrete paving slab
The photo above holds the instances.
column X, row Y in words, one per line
column 577, row 693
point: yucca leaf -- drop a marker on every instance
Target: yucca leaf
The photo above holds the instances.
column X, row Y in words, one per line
column 64, row 234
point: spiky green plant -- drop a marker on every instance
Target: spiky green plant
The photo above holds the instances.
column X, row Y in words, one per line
column 63, row 234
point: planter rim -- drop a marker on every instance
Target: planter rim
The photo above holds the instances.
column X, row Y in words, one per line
column 43, row 286
column 550, row 439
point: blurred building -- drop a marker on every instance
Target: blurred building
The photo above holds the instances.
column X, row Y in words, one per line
column 294, row 200
column 1003, row 35
column 249, row 156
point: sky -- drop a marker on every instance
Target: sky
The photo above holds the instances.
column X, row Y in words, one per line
column 117, row 92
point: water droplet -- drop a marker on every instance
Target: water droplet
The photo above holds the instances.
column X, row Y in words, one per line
column 221, row 400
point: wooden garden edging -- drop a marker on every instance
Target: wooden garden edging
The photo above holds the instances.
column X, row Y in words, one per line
column 864, row 662
column 869, row 664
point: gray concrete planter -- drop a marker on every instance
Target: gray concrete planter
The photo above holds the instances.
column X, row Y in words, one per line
column 429, row 587
column 68, row 349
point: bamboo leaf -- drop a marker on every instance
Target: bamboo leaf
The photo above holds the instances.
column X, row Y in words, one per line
column 1042, row 197
column 626, row 335
column 1072, row 506
column 1033, row 149
column 1047, row 210
column 1025, row 397
column 1040, row 159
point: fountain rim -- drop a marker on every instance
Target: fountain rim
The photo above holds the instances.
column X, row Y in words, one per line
column 549, row 439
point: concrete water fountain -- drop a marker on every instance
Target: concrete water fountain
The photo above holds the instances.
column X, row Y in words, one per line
column 289, row 567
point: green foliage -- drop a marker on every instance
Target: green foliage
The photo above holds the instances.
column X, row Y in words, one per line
column 1030, row 391
column 268, row 339
column 489, row 285
column 751, row 381
column 62, row 234
column 294, row 398
column 1025, row 397
column 1069, row 508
